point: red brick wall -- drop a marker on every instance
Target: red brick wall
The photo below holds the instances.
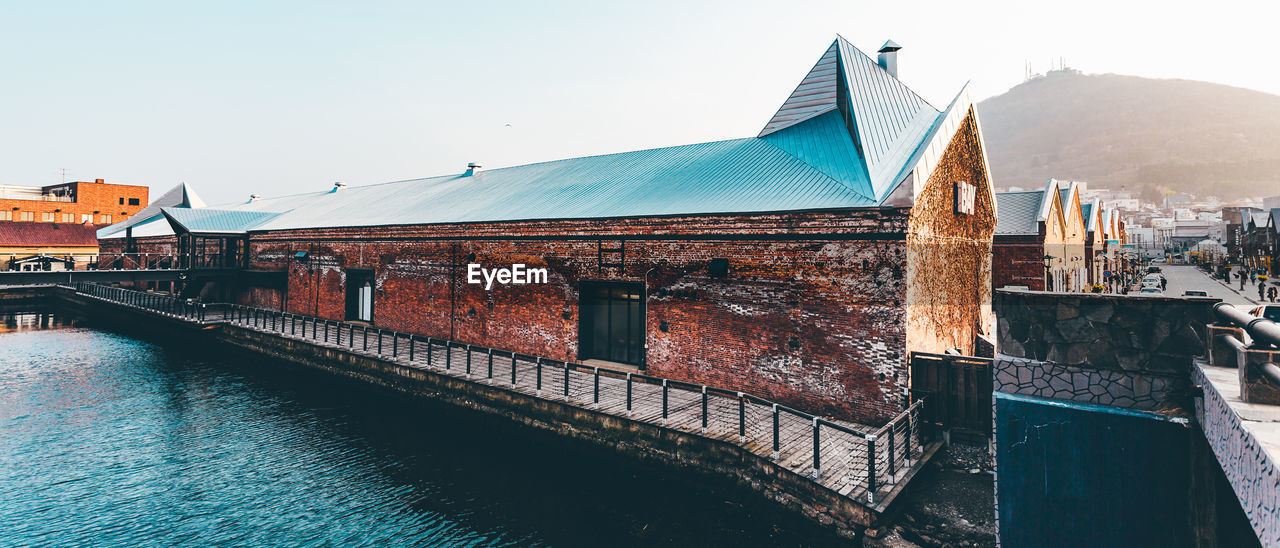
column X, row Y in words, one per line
column 1017, row 260
column 809, row 315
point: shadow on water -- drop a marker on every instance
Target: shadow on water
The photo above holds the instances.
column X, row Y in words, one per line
column 211, row 446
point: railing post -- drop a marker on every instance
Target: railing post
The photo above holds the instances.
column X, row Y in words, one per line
column 448, row 355
column 742, row 418
column 538, row 389
column 326, row 331
column 566, row 381
column 911, row 423
column 892, row 469
column 817, row 449
column 468, row 361
column 351, row 336
column 628, row 394
column 704, row 409
column 395, row 344
column 411, row 345
column 490, row 353
column 365, row 329
column 293, row 325
column 664, row 399
column 202, row 312
column 595, row 398
column 871, row 468
column 776, row 444
column 379, row 341
column 513, row 369
column 431, row 349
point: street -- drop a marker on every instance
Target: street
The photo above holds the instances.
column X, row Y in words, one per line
column 1185, row 277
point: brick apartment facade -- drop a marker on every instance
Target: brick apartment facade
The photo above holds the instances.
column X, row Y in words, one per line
column 815, row 306
column 96, row 203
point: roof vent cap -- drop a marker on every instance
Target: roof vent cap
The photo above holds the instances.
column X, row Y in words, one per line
column 472, row 169
column 254, row 197
column 888, row 58
column 338, row 186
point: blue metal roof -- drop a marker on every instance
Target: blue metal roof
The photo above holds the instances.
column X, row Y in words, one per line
column 824, row 142
column 848, row 135
column 735, row 176
column 178, row 196
column 215, row 221
column 885, row 123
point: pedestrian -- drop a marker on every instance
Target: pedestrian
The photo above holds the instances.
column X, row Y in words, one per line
column 1241, row 276
column 1271, row 293
column 1164, row 283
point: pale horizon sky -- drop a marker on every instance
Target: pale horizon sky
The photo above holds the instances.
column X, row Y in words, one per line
column 272, row 98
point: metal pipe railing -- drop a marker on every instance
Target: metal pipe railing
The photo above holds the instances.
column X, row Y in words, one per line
column 839, row 453
column 1261, row 329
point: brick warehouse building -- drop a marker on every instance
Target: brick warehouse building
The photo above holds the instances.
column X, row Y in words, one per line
column 1040, row 240
column 801, row 265
column 96, row 203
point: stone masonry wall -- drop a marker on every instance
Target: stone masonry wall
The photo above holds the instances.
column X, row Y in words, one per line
column 1128, row 351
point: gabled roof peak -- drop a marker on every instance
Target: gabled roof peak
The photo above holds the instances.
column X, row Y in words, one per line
column 885, row 123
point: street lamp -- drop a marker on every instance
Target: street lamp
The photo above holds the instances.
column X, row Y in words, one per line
column 1048, row 280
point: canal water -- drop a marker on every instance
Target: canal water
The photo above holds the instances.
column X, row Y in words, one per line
column 116, row 439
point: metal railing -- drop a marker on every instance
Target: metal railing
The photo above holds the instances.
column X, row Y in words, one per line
column 137, row 261
column 166, row 305
column 854, row 460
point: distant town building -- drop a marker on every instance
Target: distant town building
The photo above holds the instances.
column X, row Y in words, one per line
column 1270, row 203
column 48, row 246
column 1180, row 199
column 97, row 203
column 1040, row 239
column 802, row 264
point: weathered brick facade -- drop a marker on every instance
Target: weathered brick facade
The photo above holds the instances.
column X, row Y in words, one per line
column 810, row 313
column 1018, row 260
column 949, row 256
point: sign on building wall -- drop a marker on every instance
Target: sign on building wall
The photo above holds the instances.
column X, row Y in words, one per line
column 965, row 196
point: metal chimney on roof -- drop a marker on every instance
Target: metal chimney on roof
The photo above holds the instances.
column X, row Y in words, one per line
column 338, row 186
column 888, row 58
column 472, row 169
column 254, row 197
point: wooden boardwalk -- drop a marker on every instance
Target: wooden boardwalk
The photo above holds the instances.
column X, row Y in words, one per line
column 862, row 463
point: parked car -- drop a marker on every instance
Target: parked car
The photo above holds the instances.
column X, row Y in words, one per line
column 1268, row 311
column 1152, row 280
column 1195, row 293
column 1153, row 269
column 1149, row 291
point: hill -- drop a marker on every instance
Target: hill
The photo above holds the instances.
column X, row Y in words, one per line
column 1149, row 135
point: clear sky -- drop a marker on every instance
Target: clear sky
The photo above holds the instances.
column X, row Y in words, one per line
column 278, row 97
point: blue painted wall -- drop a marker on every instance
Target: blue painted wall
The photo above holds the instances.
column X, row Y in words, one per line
column 1090, row 475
